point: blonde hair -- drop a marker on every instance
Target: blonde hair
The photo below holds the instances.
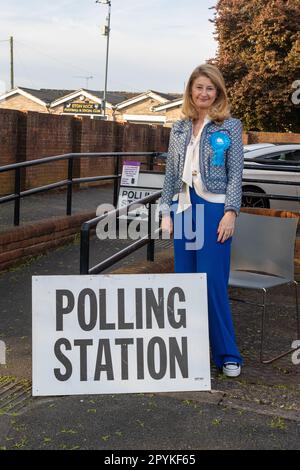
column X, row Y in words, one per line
column 220, row 109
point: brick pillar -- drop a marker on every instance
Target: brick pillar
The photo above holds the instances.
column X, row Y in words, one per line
column 137, row 138
column 97, row 136
column 12, row 139
column 246, row 138
column 47, row 135
column 160, row 142
column 275, row 137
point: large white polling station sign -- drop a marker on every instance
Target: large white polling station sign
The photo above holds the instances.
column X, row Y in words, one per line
column 120, row 334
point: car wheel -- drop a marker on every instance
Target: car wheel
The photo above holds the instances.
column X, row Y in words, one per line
column 253, row 201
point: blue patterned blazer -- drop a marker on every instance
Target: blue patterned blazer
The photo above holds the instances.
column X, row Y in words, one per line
column 223, row 177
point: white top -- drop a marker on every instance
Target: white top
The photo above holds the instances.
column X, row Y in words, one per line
column 191, row 176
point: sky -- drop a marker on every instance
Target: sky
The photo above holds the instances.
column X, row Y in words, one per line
column 154, row 44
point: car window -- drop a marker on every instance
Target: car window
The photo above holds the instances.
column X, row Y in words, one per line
column 293, row 156
column 284, row 157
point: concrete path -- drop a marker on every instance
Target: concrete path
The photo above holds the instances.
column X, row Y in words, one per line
column 259, row 410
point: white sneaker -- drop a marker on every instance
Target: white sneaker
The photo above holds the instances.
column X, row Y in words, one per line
column 231, row 369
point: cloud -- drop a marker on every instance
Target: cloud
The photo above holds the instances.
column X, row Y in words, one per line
column 154, row 44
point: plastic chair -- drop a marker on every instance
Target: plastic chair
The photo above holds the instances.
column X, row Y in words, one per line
column 262, row 257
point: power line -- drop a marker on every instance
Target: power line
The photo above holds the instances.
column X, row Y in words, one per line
column 51, row 57
column 19, row 62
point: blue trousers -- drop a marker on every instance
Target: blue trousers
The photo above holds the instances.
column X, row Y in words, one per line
column 213, row 258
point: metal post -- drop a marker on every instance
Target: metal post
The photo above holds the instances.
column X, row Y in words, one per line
column 116, row 181
column 297, row 309
column 150, row 246
column 151, row 161
column 17, row 200
column 116, row 191
column 106, row 33
column 106, row 61
column 70, row 186
column 11, row 62
column 263, row 318
column 84, row 250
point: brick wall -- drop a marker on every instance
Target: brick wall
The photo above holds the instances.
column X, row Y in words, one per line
column 47, row 135
column 137, row 138
column 172, row 115
column 21, row 103
column 12, row 145
column 35, row 135
column 140, row 108
column 21, row 243
column 160, row 142
column 98, row 136
column 272, row 137
column 58, row 109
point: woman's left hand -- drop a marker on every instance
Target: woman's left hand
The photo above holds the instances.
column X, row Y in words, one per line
column 226, row 226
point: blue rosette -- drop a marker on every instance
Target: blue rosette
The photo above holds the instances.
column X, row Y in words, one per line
column 220, row 141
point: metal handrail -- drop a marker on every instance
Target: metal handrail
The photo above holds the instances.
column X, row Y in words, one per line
column 70, row 181
column 87, row 226
column 279, row 197
column 286, row 169
column 148, row 239
column 67, row 156
column 17, row 167
column 274, row 162
column 258, row 180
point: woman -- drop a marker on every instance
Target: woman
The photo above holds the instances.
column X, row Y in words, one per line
column 204, row 169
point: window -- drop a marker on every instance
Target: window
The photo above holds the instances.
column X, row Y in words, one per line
column 288, row 157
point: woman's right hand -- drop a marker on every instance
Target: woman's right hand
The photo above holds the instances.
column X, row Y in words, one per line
column 167, row 224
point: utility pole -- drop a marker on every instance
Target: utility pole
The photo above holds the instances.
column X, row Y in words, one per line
column 106, row 62
column 11, row 40
column 106, row 32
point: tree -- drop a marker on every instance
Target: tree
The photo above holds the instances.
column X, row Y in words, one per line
column 259, row 55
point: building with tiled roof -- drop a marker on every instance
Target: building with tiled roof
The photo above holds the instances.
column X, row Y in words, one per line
column 171, row 110
column 141, row 108
column 122, row 106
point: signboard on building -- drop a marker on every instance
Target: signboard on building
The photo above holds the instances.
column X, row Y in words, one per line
column 120, row 334
column 82, row 108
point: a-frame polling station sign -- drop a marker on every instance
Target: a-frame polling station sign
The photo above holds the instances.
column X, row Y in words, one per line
column 120, row 334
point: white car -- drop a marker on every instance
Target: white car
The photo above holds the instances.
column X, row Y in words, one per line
column 282, row 156
column 249, row 147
